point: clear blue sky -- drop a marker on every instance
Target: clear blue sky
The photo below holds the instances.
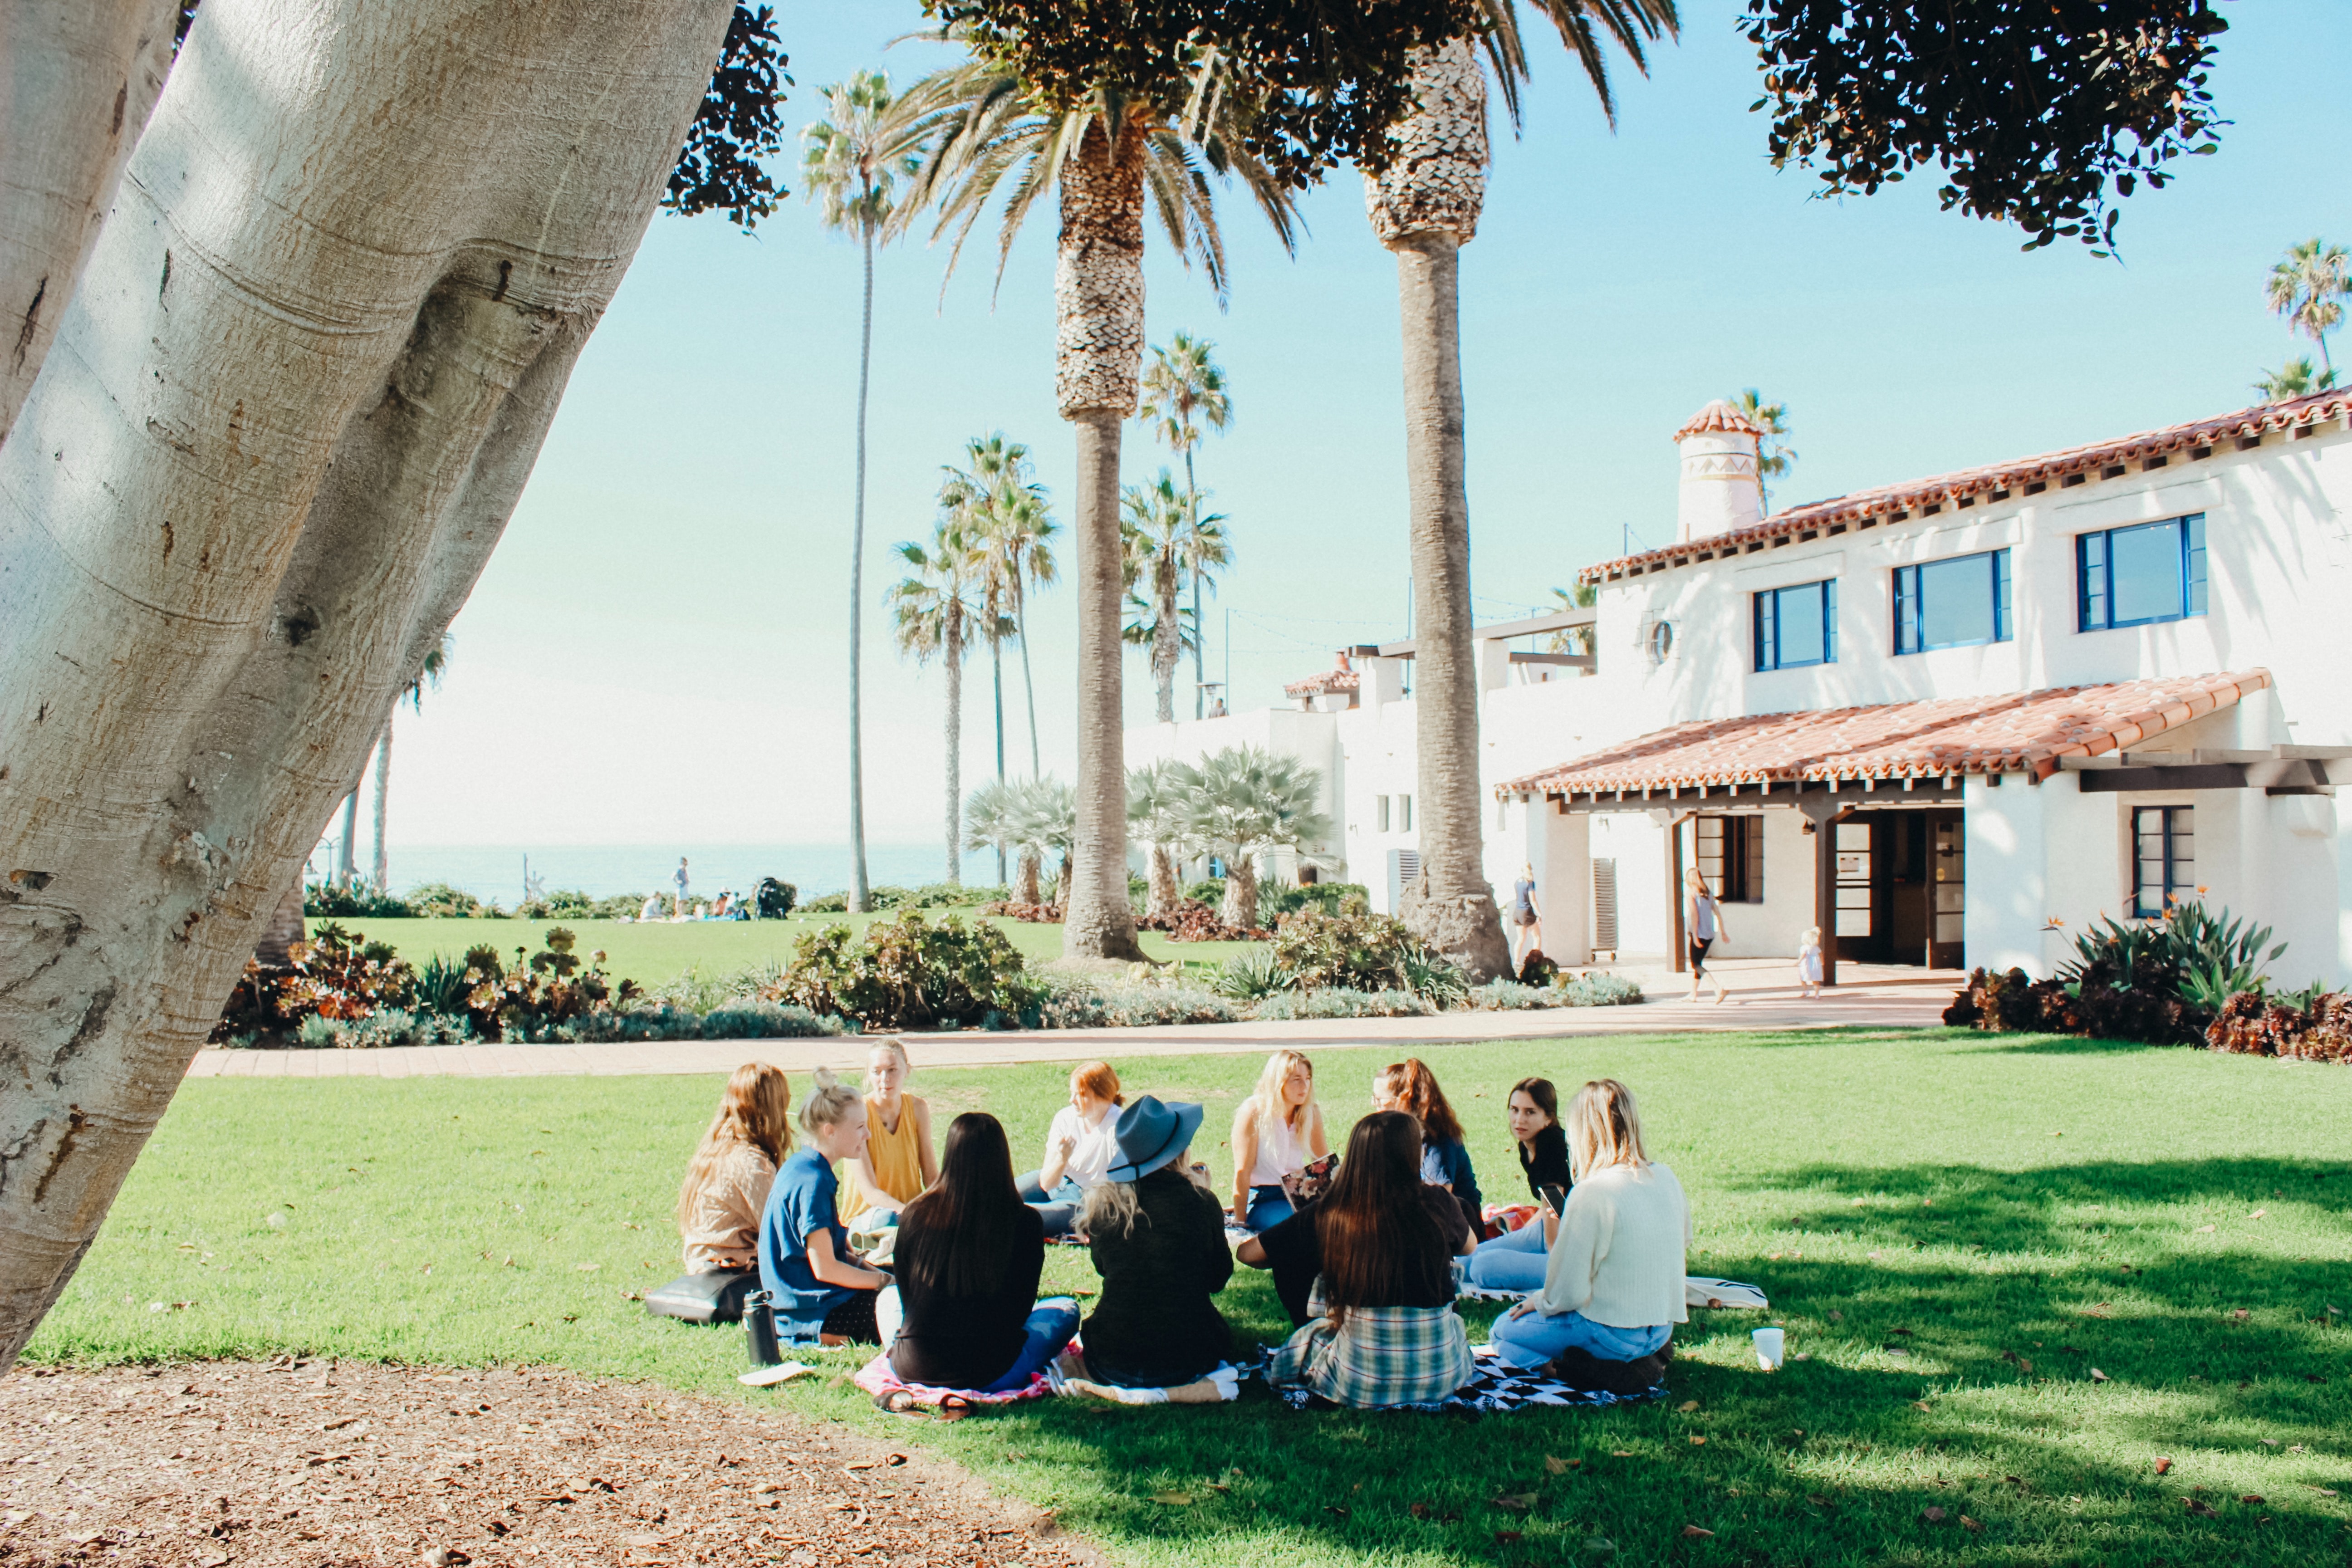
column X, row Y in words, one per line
column 659, row 651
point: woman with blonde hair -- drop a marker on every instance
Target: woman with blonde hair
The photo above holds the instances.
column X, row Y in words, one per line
column 820, row 1290
column 1613, row 1283
column 1277, row 1130
column 727, row 1181
column 1703, row 926
column 1079, row 1147
column 897, row 1165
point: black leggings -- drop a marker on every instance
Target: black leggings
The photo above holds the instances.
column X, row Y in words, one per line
column 1698, row 956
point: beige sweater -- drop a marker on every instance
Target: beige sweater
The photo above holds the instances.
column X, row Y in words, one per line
column 1618, row 1258
column 723, row 1224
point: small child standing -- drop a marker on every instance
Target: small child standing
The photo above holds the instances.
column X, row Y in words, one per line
column 1809, row 962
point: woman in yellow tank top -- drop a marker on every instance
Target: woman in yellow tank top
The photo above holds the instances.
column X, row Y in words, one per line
column 896, row 1164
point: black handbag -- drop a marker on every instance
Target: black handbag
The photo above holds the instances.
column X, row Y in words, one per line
column 715, row 1298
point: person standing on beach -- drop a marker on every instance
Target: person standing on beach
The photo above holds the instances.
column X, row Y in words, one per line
column 680, row 878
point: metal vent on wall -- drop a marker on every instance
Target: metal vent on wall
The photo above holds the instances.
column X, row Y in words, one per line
column 1604, row 906
column 1404, row 869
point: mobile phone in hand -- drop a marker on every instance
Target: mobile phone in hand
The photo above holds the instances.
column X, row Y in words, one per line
column 1555, row 1198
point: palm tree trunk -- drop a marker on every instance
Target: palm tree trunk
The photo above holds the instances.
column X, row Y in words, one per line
column 383, row 789
column 1098, row 302
column 284, row 929
column 996, row 686
column 1165, row 894
column 1239, row 908
column 1028, row 685
column 1199, row 644
column 347, row 857
column 1167, row 648
column 1425, row 209
column 1025, row 890
column 955, row 742
column 859, row 898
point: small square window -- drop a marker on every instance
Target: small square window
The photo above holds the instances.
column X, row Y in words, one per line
column 1796, row 626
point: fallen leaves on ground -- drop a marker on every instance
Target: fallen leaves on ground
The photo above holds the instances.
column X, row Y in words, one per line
column 1559, row 1467
column 1692, row 1533
column 2162, row 1466
column 1174, row 1500
column 1932, row 1514
column 1517, row 1502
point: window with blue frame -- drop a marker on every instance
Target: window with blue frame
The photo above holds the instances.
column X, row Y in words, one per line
column 1797, row 627
column 2140, row 575
column 1959, row 603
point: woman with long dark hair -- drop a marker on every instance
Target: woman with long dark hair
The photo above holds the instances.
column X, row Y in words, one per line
column 1381, row 1328
column 968, row 1255
column 1409, row 1086
column 1515, row 1260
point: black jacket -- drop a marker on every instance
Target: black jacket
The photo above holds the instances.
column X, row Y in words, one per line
column 1155, row 1321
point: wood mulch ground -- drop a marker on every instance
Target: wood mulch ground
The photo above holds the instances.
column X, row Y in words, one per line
column 312, row 1463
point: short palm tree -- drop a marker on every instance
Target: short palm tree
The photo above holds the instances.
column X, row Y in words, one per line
column 1243, row 801
column 2308, row 290
column 852, row 162
column 1184, row 389
column 1157, row 814
column 2294, row 379
column 1168, row 539
column 1108, row 156
column 1424, row 207
column 1573, row 639
column 992, row 820
column 1774, row 455
column 938, row 614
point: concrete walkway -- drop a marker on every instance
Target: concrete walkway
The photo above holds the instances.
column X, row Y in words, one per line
column 1872, row 995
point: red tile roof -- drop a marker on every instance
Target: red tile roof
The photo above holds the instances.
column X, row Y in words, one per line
column 1889, row 503
column 1721, row 415
column 2026, row 732
column 1326, row 683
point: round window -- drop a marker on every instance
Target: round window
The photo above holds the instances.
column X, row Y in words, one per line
column 1662, row 642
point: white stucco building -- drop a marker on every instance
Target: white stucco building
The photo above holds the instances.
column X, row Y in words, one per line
column 1951, row 719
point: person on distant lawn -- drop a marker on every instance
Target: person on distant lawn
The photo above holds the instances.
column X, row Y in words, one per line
column 821, row 1291
column 728, row 1180
column 964, row 1313
column 1613, row 1285
column 1409, row 1086
column 896, row 1164
column 1158, row 1240
column 1079, row 1147
column 682, row 882
column 1381, row 1329
column 1277, row 1130
column 1516, row 1259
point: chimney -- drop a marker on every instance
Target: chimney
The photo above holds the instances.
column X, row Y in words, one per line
column 1720, row 490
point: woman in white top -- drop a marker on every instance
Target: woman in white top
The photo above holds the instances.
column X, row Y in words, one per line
column 1079, row 1147
column 1703, row 925
column 1613, row 1286
column 1277, row 1130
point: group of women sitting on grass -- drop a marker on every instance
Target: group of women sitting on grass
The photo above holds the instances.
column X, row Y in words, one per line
column 1367, row 1258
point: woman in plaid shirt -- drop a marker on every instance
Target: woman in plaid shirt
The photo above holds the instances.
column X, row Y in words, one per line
column 1381, row 1328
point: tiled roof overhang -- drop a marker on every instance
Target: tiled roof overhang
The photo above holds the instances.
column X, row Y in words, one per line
column 2026, row 734
column 1997, row 481
column 1328, row 682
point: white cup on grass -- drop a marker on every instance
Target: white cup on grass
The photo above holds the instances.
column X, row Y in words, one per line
column 1769, row 1346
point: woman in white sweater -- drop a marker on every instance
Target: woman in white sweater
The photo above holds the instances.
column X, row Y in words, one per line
column 1613, row 1287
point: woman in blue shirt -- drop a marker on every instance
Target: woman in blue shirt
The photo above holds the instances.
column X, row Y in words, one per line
column 1409, row 1086
column 821, row 1292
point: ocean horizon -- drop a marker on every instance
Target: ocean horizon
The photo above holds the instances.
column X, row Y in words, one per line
column 495, row 871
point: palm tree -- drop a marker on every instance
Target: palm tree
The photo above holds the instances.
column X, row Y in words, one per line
column 1573, row 639
column 2307, row 289
column 937, row 613
column 428, row 674
column 1157, row 814
column 992, row 820
column 1165, row 536
column 1243, row 801
column 1107, row 156
column 1182, row 388
column 1424, row 207
column 1774, row 455
column 1011, row 526
column 852, row 162
column 2294, row 379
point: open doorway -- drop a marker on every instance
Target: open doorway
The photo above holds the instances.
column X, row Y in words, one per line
column 1900, row 887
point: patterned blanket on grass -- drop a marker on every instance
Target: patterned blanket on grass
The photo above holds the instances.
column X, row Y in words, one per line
column 876, row 1377
column 1493, row 1388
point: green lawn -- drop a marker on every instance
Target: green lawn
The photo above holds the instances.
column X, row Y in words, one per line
column 1919, row 1206
column 657, row 953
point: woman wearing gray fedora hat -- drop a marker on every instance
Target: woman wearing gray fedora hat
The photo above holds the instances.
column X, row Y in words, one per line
column 1158, row 1240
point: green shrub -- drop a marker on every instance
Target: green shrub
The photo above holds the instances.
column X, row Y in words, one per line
column 571, row 904
column 697, row 992
column 747, row 1020
column 439, row 900
column 1088, row 1004
column 542, row 992
column 385, row 1026
column 360, row 901
column 905, row 973
column 1341, row 1002
column 1331, row 897
column 1600, row 991
column 1362, row 952
column 1509, row 995
column 1208, row 891
column 827, row 904
column 1247, row 976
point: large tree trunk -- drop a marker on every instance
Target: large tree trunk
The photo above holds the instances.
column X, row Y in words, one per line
column 1424, row 207
column 290, row 408
column 1240, row 907
column 1098, row 301
column 284, row 929
column 1165, row 892
column 860, row 897
column 1024, row 888
column 955, row 738
column 77, row 78
column 1166, row 645
column 382, row 797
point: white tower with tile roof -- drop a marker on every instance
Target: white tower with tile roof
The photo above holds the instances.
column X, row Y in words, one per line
column 1720, row 488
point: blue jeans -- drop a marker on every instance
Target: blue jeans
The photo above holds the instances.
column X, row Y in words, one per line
column 1530, row 1338
column 1516, row 1261
column 1059, row 1208
column 1051, row 1323
column 1268, row 1207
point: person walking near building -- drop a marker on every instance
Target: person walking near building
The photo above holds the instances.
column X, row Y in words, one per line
column 1527, row 917
column 1703, row 924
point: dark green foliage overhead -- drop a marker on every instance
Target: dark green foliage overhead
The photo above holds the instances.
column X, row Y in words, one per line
column 1324, row 78
column 718, row 168
column 2038, row 112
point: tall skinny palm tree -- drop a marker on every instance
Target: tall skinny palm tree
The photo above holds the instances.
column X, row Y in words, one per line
column 1165, row 531
column 429, row 674
column 1183, row 389
column 1107, row 157
column 1010, row 524
column 1774, row 455
column 2308, row 290
column 937, row 613
column 852, row 161
column 1424, row 207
